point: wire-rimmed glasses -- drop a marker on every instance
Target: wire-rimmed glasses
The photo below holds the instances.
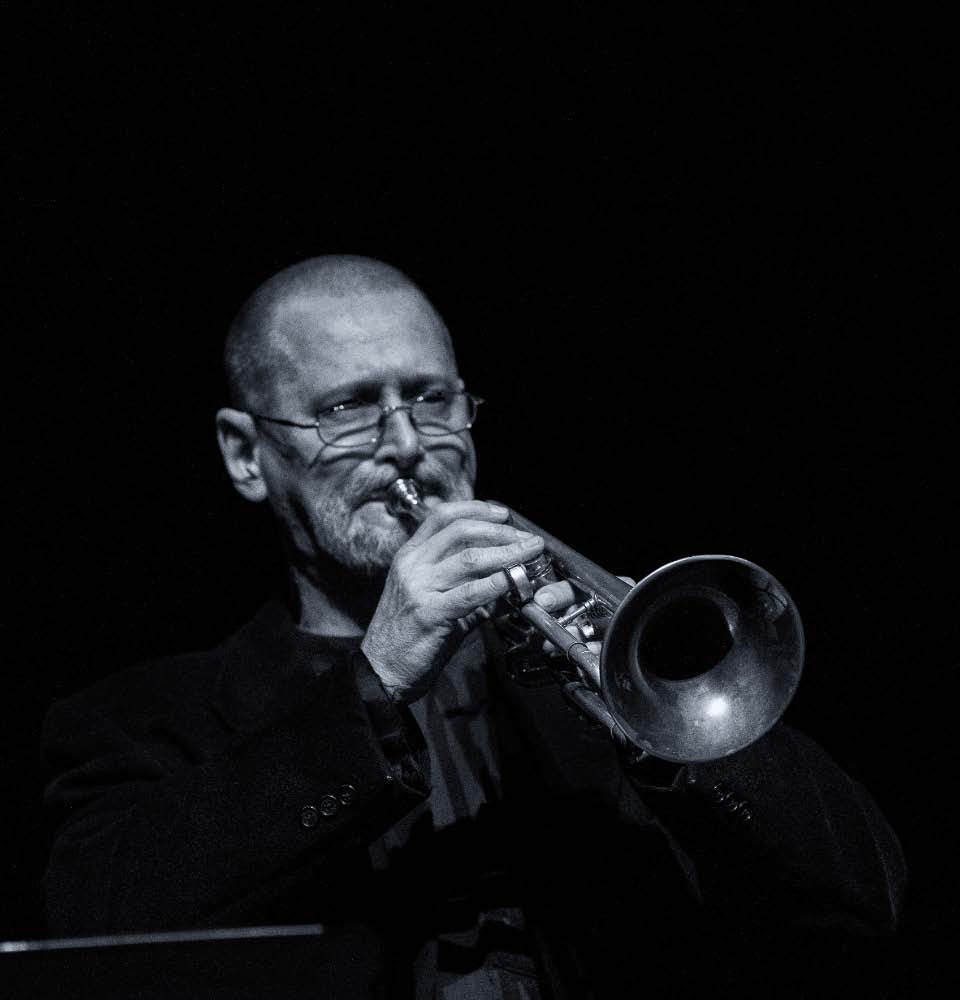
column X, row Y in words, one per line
column 435, row 413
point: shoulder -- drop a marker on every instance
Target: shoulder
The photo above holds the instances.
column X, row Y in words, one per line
column 134, row 699
column 169, row 675
column 187, row 692
column 158, row 679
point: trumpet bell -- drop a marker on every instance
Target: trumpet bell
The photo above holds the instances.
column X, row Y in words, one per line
column 701, row 658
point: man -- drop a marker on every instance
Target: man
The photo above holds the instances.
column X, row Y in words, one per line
column 358, row 756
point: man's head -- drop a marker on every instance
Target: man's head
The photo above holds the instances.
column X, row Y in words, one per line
column 327, row 332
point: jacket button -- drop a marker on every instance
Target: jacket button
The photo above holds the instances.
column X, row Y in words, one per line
column 309, row 817
column 329, row 806
column 346, row 794
column 743, row 813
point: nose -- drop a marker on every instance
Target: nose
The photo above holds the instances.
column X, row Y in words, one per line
column 399, row 441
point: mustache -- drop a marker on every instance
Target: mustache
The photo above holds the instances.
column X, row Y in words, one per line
column 435, row 479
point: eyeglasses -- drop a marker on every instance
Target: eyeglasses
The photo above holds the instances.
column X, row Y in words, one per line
column 358, row 425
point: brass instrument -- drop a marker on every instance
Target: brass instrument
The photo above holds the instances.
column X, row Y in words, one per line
column 698, row 660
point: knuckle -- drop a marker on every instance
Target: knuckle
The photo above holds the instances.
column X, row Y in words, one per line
column 484, row 590
column 485, row 532
column 522, row 548
column 474, row 591
column 470, row 558
column 459, row 509
column 471, row 531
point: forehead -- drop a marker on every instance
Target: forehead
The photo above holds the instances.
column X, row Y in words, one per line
column 328, row 342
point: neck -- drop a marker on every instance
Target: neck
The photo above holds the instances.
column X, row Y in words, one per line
column 332, row 601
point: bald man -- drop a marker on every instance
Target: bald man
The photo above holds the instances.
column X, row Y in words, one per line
column 323, row 341
column 357, row 756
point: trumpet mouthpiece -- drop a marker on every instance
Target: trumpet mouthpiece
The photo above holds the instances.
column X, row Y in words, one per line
column 403, row 499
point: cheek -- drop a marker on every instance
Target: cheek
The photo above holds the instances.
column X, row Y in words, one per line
column 458, row 455
column 305, row 492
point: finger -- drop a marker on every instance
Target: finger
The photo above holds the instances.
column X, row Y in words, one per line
column 555, row 595
column 473, row 562
column 446, row 513
column 463, row 534
column 460, row 601
column 470, row 621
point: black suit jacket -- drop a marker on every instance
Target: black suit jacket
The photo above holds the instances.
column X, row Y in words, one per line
column 244, row 784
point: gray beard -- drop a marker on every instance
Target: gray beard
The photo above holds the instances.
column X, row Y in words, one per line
column 365, row 551
column 358, row 548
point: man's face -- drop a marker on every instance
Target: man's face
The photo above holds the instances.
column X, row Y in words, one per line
column 378, row 347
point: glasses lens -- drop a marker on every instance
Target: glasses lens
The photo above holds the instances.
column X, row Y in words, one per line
column 437, row 413
column 443, row 412
column 350, row 427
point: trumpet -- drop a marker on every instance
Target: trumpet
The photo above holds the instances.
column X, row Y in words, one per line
column 697, row 661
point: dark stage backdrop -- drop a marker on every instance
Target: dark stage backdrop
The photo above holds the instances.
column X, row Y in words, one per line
column 687, row 254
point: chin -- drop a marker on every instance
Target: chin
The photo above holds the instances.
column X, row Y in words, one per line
column 370, row 547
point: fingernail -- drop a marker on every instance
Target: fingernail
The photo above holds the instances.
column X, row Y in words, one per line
column 494, row 509
column 524, row 534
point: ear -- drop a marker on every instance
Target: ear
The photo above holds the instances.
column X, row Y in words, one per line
column 239, row 445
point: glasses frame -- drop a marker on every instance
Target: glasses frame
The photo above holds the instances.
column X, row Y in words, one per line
column 385, row 411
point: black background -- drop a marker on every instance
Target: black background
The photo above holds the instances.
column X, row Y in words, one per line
column 688, row 252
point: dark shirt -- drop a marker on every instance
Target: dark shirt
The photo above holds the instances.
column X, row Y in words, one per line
column 477, row 942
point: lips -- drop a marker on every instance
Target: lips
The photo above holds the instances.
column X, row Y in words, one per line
column 432, row 490
column 379, row 498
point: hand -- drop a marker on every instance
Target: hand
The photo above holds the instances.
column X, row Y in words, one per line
column 559, row 598
column 451, row 566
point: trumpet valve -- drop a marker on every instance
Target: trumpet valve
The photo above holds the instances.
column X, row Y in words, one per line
column 580, row 616
column 585, row 610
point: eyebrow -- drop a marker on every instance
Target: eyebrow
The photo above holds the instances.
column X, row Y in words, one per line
column 370, row 388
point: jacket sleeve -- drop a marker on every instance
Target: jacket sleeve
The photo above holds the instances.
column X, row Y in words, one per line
column 779, row 832
column 152, row 833
column 801, row 879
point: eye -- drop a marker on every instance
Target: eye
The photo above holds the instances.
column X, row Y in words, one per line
column 345, row 406
column 435, row 395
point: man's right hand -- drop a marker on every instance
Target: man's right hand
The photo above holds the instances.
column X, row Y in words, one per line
column 451, row 566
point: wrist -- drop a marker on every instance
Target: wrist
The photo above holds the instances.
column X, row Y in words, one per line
column 393, row 686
